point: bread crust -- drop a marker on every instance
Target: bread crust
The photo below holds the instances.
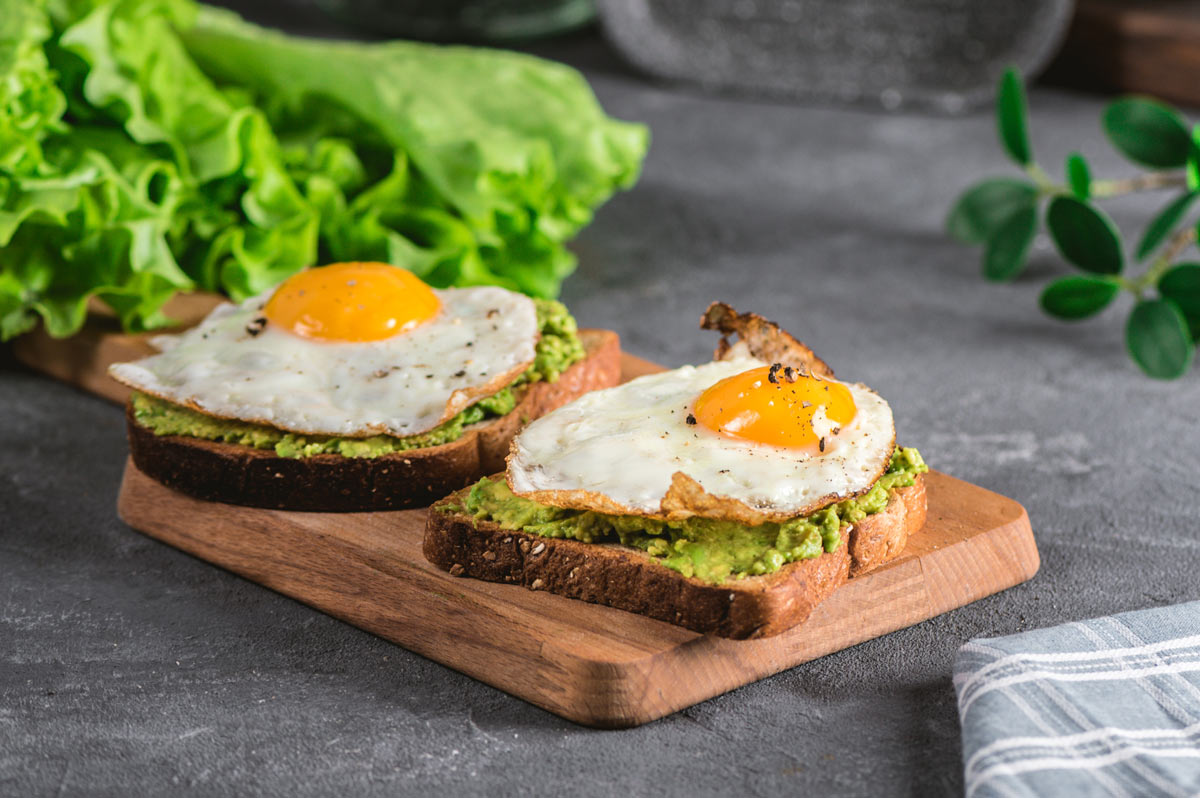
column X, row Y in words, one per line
column 236, row 474
column 881, row 538
column 624, row 578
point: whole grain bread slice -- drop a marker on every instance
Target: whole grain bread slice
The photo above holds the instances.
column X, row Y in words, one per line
column 628, row 579
column 236, row 474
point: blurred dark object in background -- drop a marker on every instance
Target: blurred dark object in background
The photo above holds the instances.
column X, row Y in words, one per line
column 462, row 20
column 1147, row 47
column 934, row 55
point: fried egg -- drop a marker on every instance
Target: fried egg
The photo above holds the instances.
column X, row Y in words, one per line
column 351, row 349
column 778, row 442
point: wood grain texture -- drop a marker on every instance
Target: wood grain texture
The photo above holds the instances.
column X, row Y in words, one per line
column 1148, row 47
column 592, row 664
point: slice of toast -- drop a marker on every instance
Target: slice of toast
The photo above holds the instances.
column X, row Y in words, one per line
column 235, row 474
column 628, row 579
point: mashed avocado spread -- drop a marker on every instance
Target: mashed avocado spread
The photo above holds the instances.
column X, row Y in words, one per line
column 558, row 348
column 705, row 548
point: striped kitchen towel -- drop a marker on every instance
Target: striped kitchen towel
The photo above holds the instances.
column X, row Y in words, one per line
column 1109, row 706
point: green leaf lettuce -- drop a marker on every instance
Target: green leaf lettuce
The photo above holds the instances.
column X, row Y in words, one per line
column 154, row 146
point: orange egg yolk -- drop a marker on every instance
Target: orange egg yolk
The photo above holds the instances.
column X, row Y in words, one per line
column 352, row 302
column 765, row 406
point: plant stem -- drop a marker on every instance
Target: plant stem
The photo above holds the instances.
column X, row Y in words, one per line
column 1042, row 180
column 1103, row 189
column 1151, row 181
column 1175, row 247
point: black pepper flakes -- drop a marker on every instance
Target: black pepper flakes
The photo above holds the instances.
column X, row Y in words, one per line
column 257, row 326
column 821, row 445
column 773, row 374
column 691, row 420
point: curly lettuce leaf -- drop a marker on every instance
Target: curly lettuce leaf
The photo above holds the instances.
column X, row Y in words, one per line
column 155, row 146
column 75, row 217
column 506, row 154
column 235, row 181
column 31, row 109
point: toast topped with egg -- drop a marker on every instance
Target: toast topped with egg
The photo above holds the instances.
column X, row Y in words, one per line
column 354, row 387
column 729, row 498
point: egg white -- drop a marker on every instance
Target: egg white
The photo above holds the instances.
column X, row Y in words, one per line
column 625, row 443
column 234, row 366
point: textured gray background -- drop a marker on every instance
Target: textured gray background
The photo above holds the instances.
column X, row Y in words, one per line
column 129, row 668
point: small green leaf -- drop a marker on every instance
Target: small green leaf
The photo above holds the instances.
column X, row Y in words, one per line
column 1158, row 339
column 1085, row 235
column 985, row 206
column 1011, row 115
column 1005, row 253
column 1079, row 176
column 1073, row 298
column 1193, row 161
column 1147, row 132
column 1161, row 225
column 1181, row 285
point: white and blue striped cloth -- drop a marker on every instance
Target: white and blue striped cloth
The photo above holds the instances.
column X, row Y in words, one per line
column 1109, row 706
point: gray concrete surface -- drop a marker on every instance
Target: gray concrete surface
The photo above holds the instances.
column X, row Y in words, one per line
column 128, row 668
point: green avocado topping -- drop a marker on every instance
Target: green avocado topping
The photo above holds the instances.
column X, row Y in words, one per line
column 708, row 549
column 558, row 348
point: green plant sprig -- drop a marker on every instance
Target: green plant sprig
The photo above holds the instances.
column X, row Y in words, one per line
column 1003, row 215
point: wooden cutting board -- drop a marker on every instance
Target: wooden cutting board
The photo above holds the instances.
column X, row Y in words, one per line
column 591, row 664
